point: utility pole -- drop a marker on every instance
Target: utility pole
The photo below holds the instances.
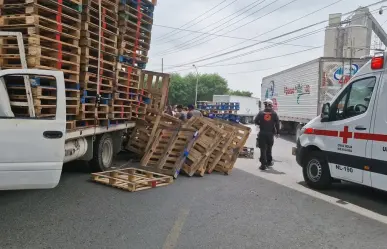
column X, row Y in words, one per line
column 162, row 65
column 197, row 83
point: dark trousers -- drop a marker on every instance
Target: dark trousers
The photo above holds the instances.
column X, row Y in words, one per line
column 265, row 142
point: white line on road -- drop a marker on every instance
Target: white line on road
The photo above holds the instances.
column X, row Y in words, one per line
column 174, row 234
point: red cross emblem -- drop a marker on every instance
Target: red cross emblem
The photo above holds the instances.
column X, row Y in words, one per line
column 345, row 134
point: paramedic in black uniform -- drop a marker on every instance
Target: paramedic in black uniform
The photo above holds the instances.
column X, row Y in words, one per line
column 268, row 123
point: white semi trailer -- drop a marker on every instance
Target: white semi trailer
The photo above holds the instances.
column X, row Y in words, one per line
column 299, row 92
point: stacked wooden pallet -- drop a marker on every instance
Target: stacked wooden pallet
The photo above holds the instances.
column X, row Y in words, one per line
column 198, row 146
column 51, row 32
column 135, row 23
column 100, row 45
column 98, row 60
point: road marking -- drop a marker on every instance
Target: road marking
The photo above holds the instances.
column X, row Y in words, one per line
column 174, row 234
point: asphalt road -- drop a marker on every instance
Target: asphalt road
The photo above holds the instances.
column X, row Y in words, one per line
column 247, row 209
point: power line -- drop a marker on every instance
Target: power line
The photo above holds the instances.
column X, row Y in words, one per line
column 281, row 26
column 263, row 59
column 258, row 60
column 270, row 46
column 193, row 44
column 252, row 5
column 260, row 49
column 225, row 36
column 187, row 23
column 274, row 38
column 197, row 38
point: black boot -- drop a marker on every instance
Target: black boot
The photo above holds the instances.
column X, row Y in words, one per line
column 263, row 167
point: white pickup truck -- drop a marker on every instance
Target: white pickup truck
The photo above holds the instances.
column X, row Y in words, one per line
column 34, row 146
column 33, row 150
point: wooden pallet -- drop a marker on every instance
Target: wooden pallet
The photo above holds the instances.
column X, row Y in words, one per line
column 139, row 139
column 131, row 179
column 169, row 150
column 225, row 142
column 120, row 112
column 67, row 5
column 127, row 76
column 157, row 84
column 134, row 12
column 228, row 159
column 49, row 10
column 208, row 140
column 30, row 21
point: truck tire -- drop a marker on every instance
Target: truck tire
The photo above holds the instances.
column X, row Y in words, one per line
column 316, row 171
column 103, row 153
column 298, row 130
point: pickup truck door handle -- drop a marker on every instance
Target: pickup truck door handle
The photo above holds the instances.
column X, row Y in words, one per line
column 53, row 134
column 360, row 128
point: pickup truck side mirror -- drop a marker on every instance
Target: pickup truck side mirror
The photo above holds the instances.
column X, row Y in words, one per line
column 325, row 112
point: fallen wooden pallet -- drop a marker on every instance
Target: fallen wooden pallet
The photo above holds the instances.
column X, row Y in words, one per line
column 142, row 136
column 132, row 179
column 208, row 140
column 169, row 150
column 223, row 146
column 228, row 159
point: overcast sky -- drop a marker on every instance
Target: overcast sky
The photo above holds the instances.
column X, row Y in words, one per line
column 186, row 47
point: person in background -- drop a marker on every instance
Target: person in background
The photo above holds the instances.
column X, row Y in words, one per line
column 268, row 123
column 180, row 113
column 192, row 112
column 169, row 110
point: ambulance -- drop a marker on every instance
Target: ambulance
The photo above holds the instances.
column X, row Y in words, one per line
column 348, row 141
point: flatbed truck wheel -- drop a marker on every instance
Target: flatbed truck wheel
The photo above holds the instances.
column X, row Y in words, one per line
column 316, row 171
column 103, row 153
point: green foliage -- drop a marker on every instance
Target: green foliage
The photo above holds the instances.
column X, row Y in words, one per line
column 182, row 88
column 240, row 93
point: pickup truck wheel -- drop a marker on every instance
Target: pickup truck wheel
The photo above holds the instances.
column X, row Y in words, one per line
column 103, row 153
column 316, row 171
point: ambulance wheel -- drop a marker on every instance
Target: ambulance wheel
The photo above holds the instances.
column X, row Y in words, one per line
column 316, row 171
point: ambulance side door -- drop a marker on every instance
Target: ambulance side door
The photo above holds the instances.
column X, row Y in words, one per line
column 351, row 112
column 378, row 145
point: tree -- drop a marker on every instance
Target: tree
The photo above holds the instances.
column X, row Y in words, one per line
column 240, row 93
column 182, row 88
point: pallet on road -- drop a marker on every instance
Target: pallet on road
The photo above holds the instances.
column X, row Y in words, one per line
column 208, row 140
column 169, row 150
column 131, row 179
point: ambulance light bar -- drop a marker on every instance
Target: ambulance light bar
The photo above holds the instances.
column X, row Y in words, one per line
column 377, row 62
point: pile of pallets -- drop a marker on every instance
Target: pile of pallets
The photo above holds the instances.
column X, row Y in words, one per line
column 98, row 60
column 100, row 45
column 135, row 24
column 200, row 145
column 51, row 33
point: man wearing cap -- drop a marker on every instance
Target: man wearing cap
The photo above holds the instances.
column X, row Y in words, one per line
column 268, row 123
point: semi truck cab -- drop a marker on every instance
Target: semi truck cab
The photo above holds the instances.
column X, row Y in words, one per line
column 348, row 141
